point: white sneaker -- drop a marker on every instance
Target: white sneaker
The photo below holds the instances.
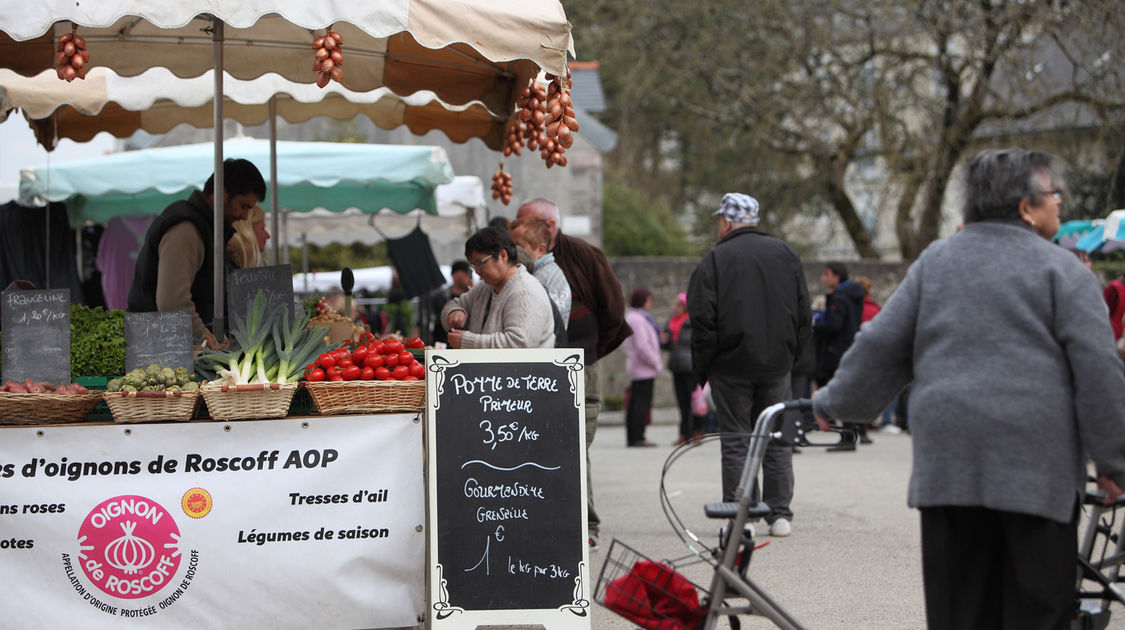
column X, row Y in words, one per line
column 780, row 528
column 890, row 429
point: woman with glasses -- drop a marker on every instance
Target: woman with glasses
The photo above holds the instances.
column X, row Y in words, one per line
column 508, row 309
column 1005, row 337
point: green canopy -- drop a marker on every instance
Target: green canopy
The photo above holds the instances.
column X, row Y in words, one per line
column 329, row 175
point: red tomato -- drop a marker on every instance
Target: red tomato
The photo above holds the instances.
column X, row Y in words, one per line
column 393, row 345
column 373, row 360
column 366, row 337
column 367, row 374
column 401, row 372
column 340, row 353
column 359, row 354
column 336, row 378
column 352, row 373
column 390, row 360
column 379, row 347
column 326, row 361
column 315, row 375
column 405, row 358
column 415, row 342
column 411, row 378
column 382, row 373
column 344, row 363
column 417, row 370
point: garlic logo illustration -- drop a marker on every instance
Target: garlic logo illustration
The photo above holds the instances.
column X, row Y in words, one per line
column 129, row 553
column 129, row 546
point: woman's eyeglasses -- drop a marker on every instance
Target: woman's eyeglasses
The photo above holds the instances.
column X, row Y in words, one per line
column 480, row 263
column 1056, row 193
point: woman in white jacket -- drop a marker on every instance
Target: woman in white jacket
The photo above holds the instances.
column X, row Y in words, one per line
column 508, row 309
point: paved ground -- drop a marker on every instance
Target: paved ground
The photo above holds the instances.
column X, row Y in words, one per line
column 853, row 559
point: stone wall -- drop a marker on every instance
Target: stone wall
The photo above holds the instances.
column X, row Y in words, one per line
column 666, row 277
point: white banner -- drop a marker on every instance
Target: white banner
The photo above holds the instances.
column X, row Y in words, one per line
column 309, row 523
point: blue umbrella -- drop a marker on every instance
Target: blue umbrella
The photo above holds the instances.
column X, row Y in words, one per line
column 1071, row 231
column 1106, row 237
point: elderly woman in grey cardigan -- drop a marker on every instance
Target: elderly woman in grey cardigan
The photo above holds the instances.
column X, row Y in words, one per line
column 1015, row 382
column 509, row 309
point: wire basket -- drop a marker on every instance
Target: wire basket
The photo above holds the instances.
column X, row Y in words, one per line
column 31, row 409
column 152, row 406
column 649, row 593
column 342, row 397
column 248, row 402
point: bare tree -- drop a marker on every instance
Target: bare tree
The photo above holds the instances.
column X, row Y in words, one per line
column 830, row 82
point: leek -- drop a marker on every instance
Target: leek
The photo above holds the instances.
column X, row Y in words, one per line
column 266, row 347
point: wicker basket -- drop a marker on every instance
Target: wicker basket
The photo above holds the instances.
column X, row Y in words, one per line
column 46, row 408
column 248, row 402
column 342, row 397
column 152, row 406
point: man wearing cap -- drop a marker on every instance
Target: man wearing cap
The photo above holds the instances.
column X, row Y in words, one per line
column 748, row 303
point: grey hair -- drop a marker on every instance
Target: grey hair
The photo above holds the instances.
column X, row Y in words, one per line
column 995, row 181
column 543, row 208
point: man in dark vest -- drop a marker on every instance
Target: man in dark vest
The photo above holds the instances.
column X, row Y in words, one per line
column 175, row 265
column 596, row 322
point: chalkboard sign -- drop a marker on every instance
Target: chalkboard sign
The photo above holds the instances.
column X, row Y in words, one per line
column 507, row 488
column 243, row 285
column 36, row 336
column 162, row 337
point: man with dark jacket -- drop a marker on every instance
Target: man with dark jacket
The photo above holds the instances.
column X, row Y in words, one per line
column 833, row 335
column 596, row 323
column 749, row 307
column 175, row 264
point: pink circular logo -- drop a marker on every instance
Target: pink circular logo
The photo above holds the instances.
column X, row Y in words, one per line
column 129, row 546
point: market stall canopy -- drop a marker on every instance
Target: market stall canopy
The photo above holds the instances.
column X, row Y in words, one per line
column 370, row 279
column 157, row 100
column 461, row 207
column 334, row 176
column 463, row 50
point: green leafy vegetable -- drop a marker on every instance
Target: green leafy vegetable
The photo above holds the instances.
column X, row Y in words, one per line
column 97, row 341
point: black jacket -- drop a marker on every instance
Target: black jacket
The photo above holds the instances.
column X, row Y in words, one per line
column 142, row 293
column 749, row 307
column 843, row 312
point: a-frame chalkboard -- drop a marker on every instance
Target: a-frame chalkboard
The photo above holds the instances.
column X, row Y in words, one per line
column 506, row 479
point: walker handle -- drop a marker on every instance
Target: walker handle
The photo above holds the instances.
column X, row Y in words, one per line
column 800, row 404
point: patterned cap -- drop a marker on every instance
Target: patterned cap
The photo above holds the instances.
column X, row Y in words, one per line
column 738, row 208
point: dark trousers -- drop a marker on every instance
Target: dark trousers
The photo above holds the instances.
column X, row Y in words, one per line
column 684, row 384
column 739, row 402
column 636, row 414
column 990, row 570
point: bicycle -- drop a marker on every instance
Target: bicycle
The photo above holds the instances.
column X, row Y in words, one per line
column 655, row 596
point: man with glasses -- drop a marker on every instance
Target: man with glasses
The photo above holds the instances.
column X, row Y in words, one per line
column 596, row 323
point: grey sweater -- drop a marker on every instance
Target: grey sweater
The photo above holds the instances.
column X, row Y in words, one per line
column 519, row 316
column 1006, row 339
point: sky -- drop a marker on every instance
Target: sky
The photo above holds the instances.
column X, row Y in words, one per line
column 18, row 150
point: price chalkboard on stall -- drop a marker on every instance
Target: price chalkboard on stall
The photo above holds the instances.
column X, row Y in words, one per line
column 36, row 335
column 507, row 489
column 276, row 282
column 163, row 338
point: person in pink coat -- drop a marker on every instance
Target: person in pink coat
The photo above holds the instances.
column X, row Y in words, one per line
column 642, row 364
